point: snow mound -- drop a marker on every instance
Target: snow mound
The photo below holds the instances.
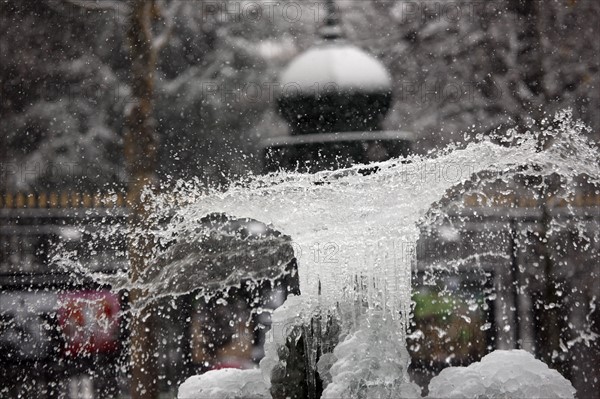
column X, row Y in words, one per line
column 225, row 384
column 502, row 374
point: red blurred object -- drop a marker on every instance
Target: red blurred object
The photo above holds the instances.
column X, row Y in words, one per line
column 89, row 321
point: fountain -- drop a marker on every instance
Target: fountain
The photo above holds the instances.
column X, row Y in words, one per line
column 346, row 232
column 368, row 218
column 357, row 292
column 352, row 231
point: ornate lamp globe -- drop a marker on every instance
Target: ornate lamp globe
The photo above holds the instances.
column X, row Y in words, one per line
column 334, row 87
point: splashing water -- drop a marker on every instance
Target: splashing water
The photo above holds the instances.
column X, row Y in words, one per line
column 353, row 230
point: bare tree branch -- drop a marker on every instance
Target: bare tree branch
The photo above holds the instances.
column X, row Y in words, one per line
column 169, row 16
column 100, row 5
column 196, row 73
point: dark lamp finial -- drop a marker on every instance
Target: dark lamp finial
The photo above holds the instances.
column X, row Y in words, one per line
column 331, row 30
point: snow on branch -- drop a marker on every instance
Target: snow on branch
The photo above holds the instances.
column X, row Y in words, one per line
column 169, row 17
column 100, row 5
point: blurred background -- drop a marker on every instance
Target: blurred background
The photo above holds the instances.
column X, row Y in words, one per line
column 459, row 69
column 456, row 67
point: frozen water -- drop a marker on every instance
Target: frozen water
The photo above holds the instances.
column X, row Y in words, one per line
column 371, row 363
column 225, row 384
column 292, row 312
column 348, row 227
column 502, row 374
column 354, row 234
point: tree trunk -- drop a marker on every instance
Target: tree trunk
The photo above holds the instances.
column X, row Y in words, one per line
column 140, row 155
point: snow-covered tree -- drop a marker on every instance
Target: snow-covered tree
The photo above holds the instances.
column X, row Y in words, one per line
column 468, row 64
column 456, row 65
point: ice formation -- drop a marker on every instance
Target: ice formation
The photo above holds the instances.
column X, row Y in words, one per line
column 353, row 237
column 502, row 374
column 292, row 312
column 255, row 383
column 354, row 233
column 371, row 363
column 225, row 384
